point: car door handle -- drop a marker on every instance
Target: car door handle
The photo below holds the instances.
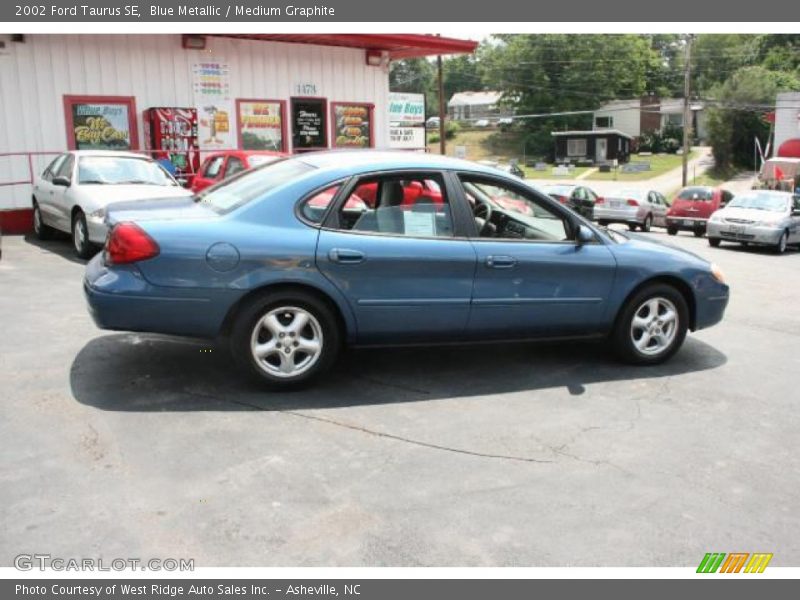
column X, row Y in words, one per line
column 501, row 262
column 345, row 256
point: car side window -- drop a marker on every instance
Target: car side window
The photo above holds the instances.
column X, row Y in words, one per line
column 65, row 168
column 315, row 207
column 407, row 204
column 53, row 167
column 235, row 165
column 580, row 194
column 507, row 212
column 213, row 167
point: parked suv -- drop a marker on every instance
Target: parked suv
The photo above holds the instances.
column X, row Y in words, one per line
column 692, row 208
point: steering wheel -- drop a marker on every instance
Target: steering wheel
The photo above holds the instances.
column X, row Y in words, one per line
column 482, row 211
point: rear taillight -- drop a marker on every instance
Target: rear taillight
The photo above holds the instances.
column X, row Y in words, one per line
column 600, row 201
column 127, row 243
column 632, row 202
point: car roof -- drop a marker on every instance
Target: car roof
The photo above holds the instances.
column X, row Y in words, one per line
column 376, row 160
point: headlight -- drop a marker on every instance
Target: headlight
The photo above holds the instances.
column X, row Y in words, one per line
column 766, row 223
column 100, row 213
column 717, row 273
column 716, row 218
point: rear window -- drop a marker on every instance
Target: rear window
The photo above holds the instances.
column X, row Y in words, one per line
column 252, row 184
column 701, row 194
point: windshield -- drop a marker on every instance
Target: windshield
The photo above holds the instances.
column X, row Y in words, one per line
column 776, row 203
column 696, row 193
column 119, row 170
column 252, row 184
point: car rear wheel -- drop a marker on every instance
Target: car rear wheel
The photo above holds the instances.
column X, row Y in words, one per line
column 652, row 325
column 672, row 231
column 80, row 236
column 780, row 247
column 42, row 231
column 698, row 233
column 714, row 242
column 632, row 226
column 285, row 340
column 648, row 223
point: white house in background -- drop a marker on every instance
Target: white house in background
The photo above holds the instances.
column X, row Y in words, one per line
column 474, row 105
column 647, row 114
column 787, row 118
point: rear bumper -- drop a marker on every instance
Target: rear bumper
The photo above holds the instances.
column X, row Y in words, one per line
column 120, row 299
column 754, row 234
column 630, row 214
column 686, row 223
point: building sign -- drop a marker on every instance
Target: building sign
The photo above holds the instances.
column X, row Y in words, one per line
column 407, row 138
column 309, row 124
column 305, row 89
column 100, row 123
column 211, row 87
column 352, row 125
column 405, row 109
column 261, row 124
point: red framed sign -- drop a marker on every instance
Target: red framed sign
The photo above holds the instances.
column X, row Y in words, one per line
column 101, row 122
column 352, row 125
column 261, row 124
column 309, row 123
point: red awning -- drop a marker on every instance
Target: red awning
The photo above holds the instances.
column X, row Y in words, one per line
column 405, row 45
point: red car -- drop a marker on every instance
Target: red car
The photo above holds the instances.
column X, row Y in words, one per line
column 692, row 207
column 221, row 165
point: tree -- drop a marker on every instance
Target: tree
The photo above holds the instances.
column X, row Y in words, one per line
column 416, row 76
column 461, row 74
column 736, row 114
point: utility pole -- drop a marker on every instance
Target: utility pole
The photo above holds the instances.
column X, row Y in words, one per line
column 687, row 113
column 442, row 142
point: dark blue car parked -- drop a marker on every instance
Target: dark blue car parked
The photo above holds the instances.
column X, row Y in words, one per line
column 291, row 261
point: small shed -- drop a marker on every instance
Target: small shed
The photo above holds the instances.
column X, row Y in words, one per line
column 598, row 146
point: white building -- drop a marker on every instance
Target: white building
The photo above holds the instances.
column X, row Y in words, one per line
column 787, row 118
column 474, row 105
column 50, row 83
column 647, row 114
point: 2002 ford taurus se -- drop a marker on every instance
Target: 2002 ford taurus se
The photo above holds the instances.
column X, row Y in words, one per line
column 293, row 260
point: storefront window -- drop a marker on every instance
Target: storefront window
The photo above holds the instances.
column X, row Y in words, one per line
column 352, row 125
column 261, row 125
column 101, row 123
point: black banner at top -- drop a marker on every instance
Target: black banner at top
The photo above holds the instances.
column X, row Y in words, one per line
column 320, row 11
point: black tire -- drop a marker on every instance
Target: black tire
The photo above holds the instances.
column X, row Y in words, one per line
column 247, row 330
column 698, row 233
column 672, row 230
column 632, row 226
column 648, row 223
column 783, row 242
column 623, row 334
column 43, row 232
column 80, row 236
column 714, row 242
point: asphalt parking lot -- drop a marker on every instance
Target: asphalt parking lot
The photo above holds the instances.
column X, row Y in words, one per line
column 128, row 445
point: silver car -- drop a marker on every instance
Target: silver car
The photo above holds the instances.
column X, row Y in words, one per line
column 762, row 217
column 72, row 193
column 636, row 208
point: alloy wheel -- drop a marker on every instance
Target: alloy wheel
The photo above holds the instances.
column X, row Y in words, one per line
column 79, row 235
column 286, row 342
column 654, row 326
column 37, row 220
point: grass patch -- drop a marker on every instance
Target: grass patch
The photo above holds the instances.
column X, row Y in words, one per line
column 659, row 164
column 531, row 173
column 484, row 144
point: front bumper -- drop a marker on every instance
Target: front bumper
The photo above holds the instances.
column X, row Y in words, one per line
column 734, row 232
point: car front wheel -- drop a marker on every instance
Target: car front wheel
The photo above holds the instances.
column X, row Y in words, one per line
column 286, row 339
column 648, row 223
column 714, row 242
column 672, row 230
column 80, row 236
column 780, row 247
column 652, row 325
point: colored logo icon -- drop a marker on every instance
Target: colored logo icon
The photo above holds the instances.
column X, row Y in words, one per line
column 735, row 562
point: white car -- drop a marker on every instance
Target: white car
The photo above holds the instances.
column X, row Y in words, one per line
column 72, row 193
column 482, row 123
column 761, row 217
column 634, row 207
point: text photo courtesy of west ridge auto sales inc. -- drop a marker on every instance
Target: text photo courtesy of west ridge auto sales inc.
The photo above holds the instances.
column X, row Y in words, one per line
column 430, row 299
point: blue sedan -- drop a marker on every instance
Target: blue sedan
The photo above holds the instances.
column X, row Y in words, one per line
column 292, row 261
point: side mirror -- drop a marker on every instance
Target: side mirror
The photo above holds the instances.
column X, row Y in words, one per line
column 796, row 212
column 182, row 181
column 583, row 235
column 62, row 181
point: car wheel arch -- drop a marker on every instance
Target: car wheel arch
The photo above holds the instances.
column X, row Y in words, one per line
column 676, row 282
column 346, row 327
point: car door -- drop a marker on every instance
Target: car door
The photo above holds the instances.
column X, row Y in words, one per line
column 209, row 173
column 532, row 279
column 406, row 270
column 61, row 206
column 44, row 189
column 658, row 208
